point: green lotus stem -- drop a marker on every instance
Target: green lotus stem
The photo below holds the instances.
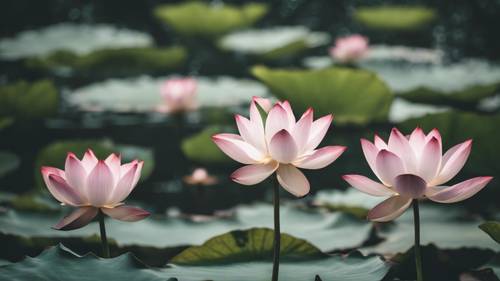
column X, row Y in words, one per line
column 277, row 234
column 416, row 248
column 104, row 238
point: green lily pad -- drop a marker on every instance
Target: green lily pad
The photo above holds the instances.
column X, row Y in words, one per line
column 142, row 94
column 8, row 162
column 54, row 155
column 353, row 95
column 395, row 18
column 25, row 100
column 273, row 43
column 444, row 226
column 202, row 149
column 492, row 228
column 59, row 261
column 209, row 20
column 441, row 83
column 250, row 245
column 77, row 38
column 331, row 231
column 112, row 62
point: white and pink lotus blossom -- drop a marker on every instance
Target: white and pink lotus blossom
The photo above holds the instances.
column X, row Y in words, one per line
column 94, row 185
column 179, row 95
column 350, row 48
column 280, row 144
column 200, row 176
column 413, row 167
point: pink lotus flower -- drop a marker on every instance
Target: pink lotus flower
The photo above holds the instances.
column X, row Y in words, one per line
column 280, row 144
column 200, row 176
column 413, row 168
column 349, row 48
column 92, row 185
column 179, row 95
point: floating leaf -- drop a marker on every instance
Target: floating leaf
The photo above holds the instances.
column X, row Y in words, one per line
column 247, row 245
column 201, row 148
column 142, row 94
column 332, row 231
column 8, row 162
column 76, row 38
column 444, row 226
column 59, row 262
column 25, row 100
column 492, row 228
column 112, row 62
column 395, row 18
column 441, row 83
column 54, row 155
column 209, row 20
column 273, row 43
column 355, row 96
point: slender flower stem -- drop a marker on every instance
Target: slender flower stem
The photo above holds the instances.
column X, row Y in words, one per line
column 416, row 248
column 277, row 234
column 104, row 238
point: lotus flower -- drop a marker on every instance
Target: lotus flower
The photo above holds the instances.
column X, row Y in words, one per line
column 349, row 48
column 413, row 167
column 179, row 95
column 92, row 185
column 280, row 144
column 200, row 176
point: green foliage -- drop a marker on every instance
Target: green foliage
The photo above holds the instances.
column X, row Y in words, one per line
column 201, row 148
column 115, row 62
column 492, row 228
column 54, row 155
column 288, row 50
column 247, row 245
column 60, row 261
column 25, row 100
column 470, row 95
column 310, row 225
column 8, row 162
column 207, row 20
column 395, row 18
column 354, row 95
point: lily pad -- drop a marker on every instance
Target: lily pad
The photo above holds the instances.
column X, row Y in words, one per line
column 79, row 39
column 201, row 148
column 331, row 231
column 275, row 42
column 385, row 55
column 54, row 154
column 29, row 100
column 59, row 261
column 355, row 96
column 492, row 228
column 249, row 245
column 142, row 94
column 112, row 62
column 439, row 83
column 8, row 162
column 444, row 226
column 402, row 110
column 199, row 263
column 209, row 20
column 395, row 18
